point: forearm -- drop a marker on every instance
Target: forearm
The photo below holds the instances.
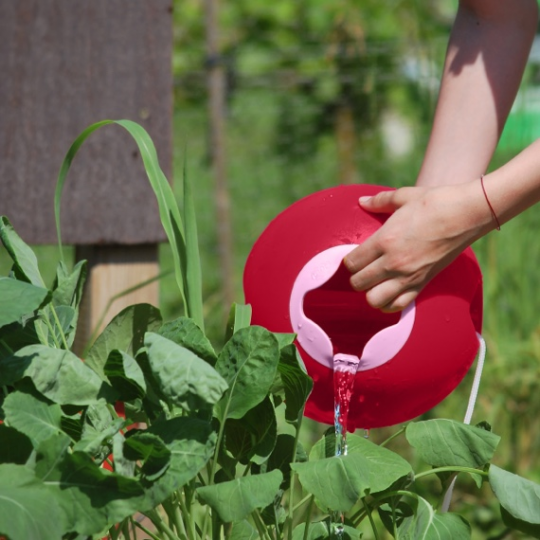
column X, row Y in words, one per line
column 486, row 56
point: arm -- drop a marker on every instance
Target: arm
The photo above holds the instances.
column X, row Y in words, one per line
column 433, row 223
column 486, row 56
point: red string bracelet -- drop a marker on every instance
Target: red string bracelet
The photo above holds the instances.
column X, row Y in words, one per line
column 489, row 204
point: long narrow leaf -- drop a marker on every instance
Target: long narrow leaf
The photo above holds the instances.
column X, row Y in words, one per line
column 185, row 257
column 192, row 257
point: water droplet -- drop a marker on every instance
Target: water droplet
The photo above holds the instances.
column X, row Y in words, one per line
column 366, row 433
column 299, row 326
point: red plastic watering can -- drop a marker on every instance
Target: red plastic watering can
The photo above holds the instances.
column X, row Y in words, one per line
column 296, row 282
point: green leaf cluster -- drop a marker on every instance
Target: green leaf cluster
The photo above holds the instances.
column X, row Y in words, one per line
column 205, row 443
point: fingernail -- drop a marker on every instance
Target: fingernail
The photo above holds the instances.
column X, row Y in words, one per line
column 364, row 199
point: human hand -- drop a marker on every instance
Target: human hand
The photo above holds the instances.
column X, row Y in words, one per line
column 428, row 229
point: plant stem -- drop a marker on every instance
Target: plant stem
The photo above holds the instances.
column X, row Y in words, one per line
column 289, row 523
column 186, row 515
column 308, row 516
column 145, row 530
column 469, row 470
column 162, row 526
column 60, row 329
column 396, row 434
column 259, row 523
column 125, row 529
column 45, row 319
column 302, row 502
column 368, row 511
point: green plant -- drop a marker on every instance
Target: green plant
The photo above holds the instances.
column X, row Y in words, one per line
column 206, row 444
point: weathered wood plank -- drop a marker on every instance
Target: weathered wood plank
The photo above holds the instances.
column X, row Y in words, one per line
column 63, row 66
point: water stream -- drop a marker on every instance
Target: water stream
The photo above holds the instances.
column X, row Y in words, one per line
column 345, row 368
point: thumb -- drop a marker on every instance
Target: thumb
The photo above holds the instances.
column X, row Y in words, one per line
column 386, row 202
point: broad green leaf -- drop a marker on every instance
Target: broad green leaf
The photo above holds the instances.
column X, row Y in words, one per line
column 124, row 333
column 518, row 496
column 68, row 288
column 64, row 327
column 15, row 336
column 530, row 529
column 15, row 447
column 91, row 497
column 338, row 482
column 26, row 265
column 183, row 378
column 253, row 437
column 283, row 454
column 243, row 530
column 446, row 443
column 19, row 298
column 185, row 332
column 151, row 450
column 125, row 375
column 122, row 465
column 57, row 374
column 239, row 317
column 449, row 527
column 28, row 509
column 284, row 339
column 320, row 531
column 36, row 419
column 191, row 443
column 236, row 499
column 98, row 430
column 297, row 383
column 248, row 363
column 416, row 527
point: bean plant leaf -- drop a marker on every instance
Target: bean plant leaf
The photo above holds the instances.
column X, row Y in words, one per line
column 57, row 374
column 530, row 529
column 35, row 418
column 248, row 363
column 15, row 336
column 284, row 454
column 68, row 287
column 183, row 331
column 518, row 496
column 239, row 317
column 191, row 443
column 243, row 530
column 26, row 511
column 297, row 383
column 151, row 450
column 183, row 378
column 236, row 499
column 15, row 447
column 124, row 333
column 25, row 261
column 338, row 482
column 320, row 530
column 91, row 497
column 125, row 375
column 449, row 527
column 19, row 298
column 417, row 526
column 253, row 437
column 445, row 443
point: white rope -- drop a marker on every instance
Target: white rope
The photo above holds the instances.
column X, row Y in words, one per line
column 470, row 409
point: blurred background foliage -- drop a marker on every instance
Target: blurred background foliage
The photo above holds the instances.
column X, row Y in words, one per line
column 320, row 93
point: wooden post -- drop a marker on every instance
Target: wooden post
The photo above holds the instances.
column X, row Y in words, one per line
column 217, row 92
column 66, row 65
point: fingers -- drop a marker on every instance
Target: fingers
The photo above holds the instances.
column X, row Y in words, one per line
column 389, row 297
column 386, row 201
